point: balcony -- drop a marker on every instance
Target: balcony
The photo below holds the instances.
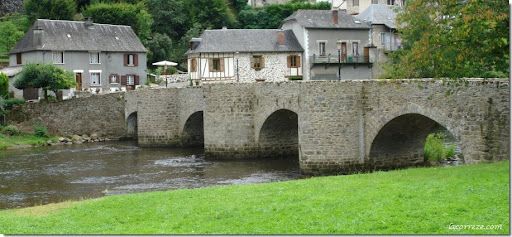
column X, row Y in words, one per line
column 335, row 58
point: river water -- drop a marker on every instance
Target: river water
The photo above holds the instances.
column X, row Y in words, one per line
column 53, row 174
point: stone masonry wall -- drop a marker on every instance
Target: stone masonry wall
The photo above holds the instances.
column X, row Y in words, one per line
column 101, row 114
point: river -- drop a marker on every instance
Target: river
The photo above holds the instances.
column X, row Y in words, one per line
column 45, row 175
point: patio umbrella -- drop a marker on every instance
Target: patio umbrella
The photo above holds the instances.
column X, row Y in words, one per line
column 165, row 64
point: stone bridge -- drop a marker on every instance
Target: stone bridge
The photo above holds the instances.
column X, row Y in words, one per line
column 329, row 126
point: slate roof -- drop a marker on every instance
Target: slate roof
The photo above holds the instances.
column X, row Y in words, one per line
column 246, row 40
column 323, row 19
column 61, row 35
column 379, row 14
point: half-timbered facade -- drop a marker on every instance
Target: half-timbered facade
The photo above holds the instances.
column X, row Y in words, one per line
column 243, row 55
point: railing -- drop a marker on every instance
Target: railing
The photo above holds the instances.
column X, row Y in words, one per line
column 339, row 59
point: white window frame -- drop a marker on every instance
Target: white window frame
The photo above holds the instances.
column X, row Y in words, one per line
column 128, row 83
column 358, row 47
column 318, row 43
column 94, row 53
column 90, row 78
column 63, row 57
column 118, row 79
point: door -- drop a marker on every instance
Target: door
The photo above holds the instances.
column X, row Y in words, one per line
column 78, row 79
column 343, row 51
column 366, row 54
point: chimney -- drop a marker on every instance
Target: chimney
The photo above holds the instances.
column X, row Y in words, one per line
column 88, row 22
column 37, row 37
column 281, row 39
column 335, row 16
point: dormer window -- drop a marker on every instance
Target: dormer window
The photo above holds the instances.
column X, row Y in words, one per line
column 58, row 57
column 94, row 58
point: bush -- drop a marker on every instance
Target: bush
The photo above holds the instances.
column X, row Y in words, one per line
column 40, row 130
column 435, row 149
column 4, row 85
column 11, row 130
column 10, row 103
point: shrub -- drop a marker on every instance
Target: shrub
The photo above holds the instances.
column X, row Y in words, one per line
column 4, row 85
column 11, row 130
column 40, row 130
column 435, row 148
column 9, row 103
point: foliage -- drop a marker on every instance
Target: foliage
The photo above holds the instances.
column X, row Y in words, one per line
column 211, row 14
column 11, row 130
column 2, row 106
column 10, row 103
column 271, row 16
column 170, row 17
column 134, row 15
column 4, row 85
column 435, row 148
column 446, row 38
column 160, row 47
column 50, row 9
column 45, row 76
column 12, row 29
column 24, row 140
column 406, row 201
column 40, row 130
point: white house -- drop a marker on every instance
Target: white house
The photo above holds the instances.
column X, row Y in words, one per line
column 245, row 55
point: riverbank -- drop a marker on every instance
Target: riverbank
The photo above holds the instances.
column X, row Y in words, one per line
column 411, row 201
column 24, row 141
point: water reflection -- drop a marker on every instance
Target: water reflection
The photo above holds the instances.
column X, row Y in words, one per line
column 45, row 175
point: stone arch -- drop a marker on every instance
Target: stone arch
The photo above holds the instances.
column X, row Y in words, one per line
column 399, row 142
column 193, row 130
column 278, row 136
column 132, row 125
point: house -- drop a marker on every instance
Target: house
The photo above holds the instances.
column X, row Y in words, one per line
column 336, row 45
column 103, row 58
column 355, row 7
column 384, row 30
column 261, row 3
column 244, row 55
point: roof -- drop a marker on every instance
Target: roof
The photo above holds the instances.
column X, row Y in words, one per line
column 11, row 71
column 323, row 19
column 246, row 40
column 61, row 35
column 379, row 14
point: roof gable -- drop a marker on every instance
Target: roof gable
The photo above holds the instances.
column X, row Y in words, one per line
column 246, row 40
column 379, row 14
column 323, row 19
column 60, row 35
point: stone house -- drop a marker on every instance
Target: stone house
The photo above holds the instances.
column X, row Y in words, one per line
column 355, row 7
column 245, row 55
column 384, row 31
column 103, row 58
column 261, row 3
column 336, row 45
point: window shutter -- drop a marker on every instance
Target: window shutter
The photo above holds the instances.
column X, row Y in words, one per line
column 136, row 79
column 126, row 59
column 289, row 58
column 210, row 64
column 136, row 60
column 297, row 60
column 123, row 80
column 222, row 64
column 262, row 61
column 252, row 62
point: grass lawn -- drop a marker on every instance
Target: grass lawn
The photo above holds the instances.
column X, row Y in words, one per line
column 22, row 140
column 410, row 201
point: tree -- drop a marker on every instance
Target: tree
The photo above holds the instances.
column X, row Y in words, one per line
column 170, row 17
column 160, row 47
column 45, row 76
column 212, row 14
column 50, row 9
column 4, row 86
column 134, row 15
column 10, row 35
column 446, row 38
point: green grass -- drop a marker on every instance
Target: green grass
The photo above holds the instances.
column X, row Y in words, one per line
column 410, row 201
column 22, row 140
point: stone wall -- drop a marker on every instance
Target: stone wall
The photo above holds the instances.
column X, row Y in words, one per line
column 101, row 114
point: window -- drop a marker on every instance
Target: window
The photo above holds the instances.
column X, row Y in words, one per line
column 131, row 60
column 94, row 58
column 114, row 79
column 293, row 61
column 193, row 65
column 58, row 57
column 375, row 1
column 216, row 64
column 321, row 48
column 95, row 78
column 130, row 80
column 391, row 2
column 18, row 59
column 383, row 38
column 257, row 62
column 355, row 48
column 355, row 3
